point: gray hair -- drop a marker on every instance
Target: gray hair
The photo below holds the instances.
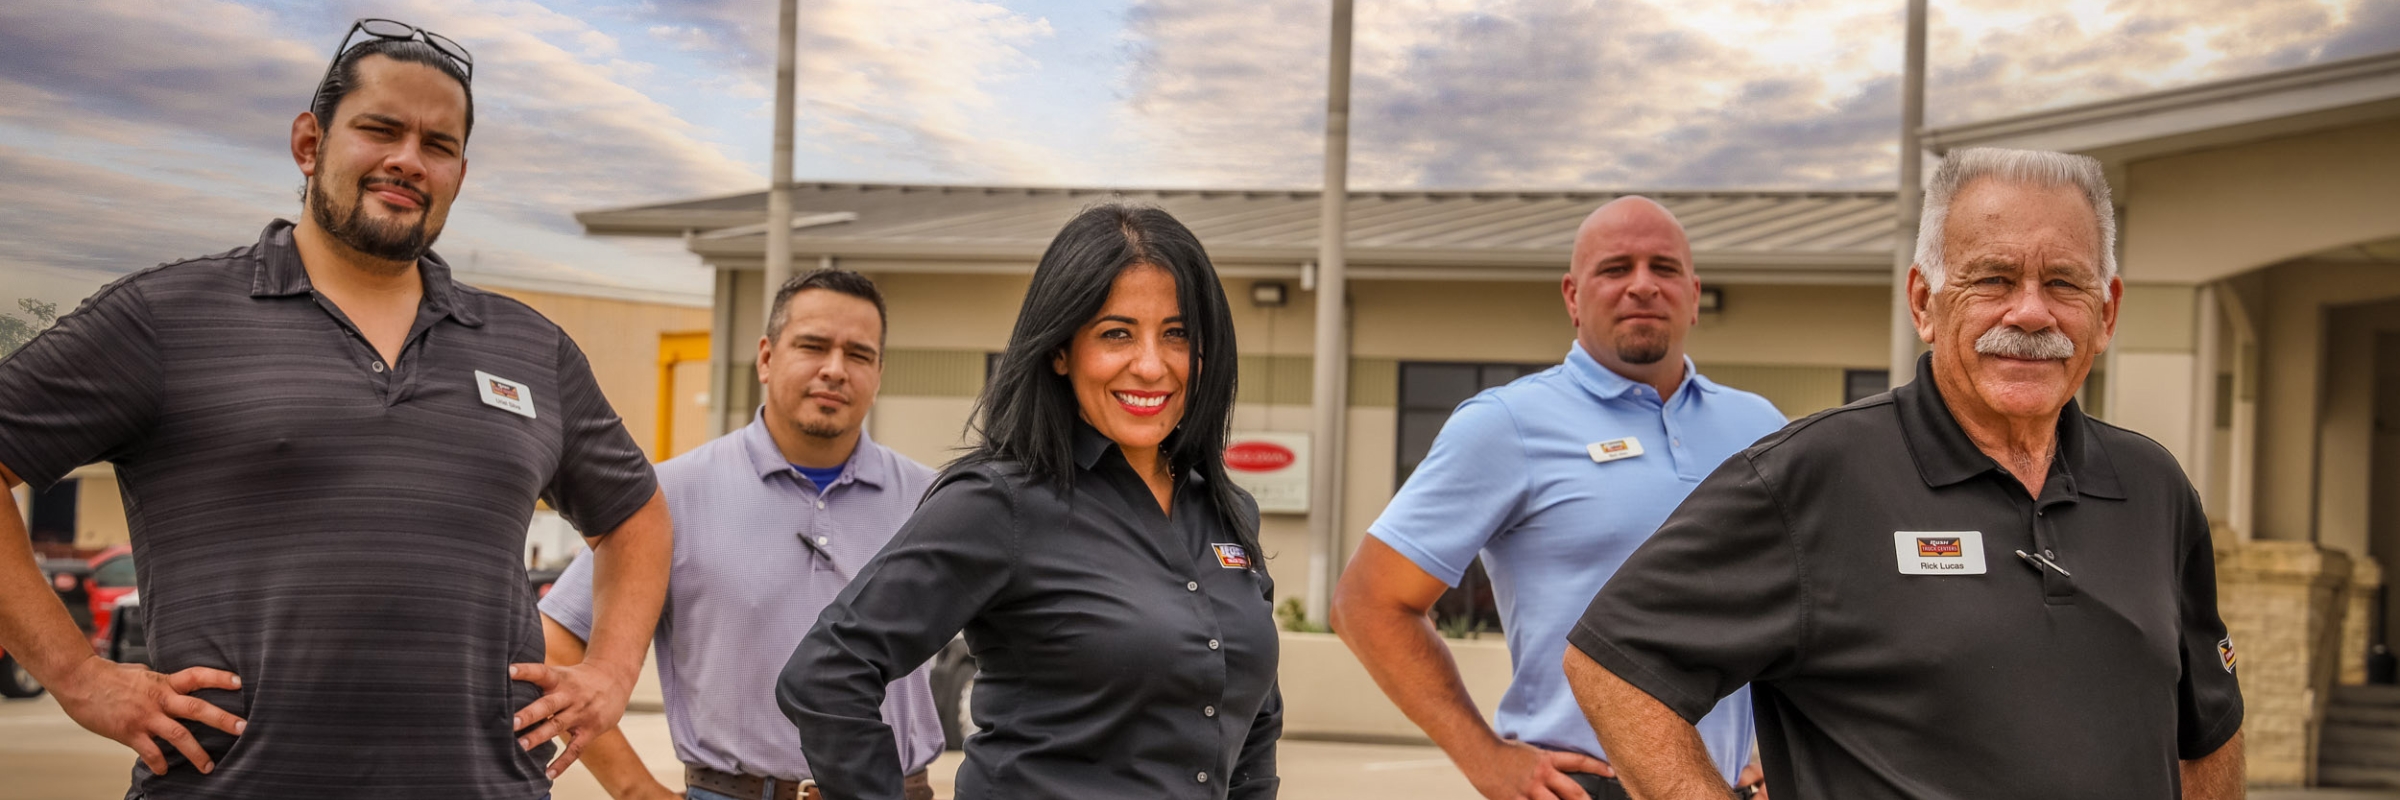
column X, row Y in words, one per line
column 2025, row 167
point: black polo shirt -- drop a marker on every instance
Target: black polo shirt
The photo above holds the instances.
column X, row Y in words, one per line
column 1124, row 652
column 344, row 534
column 1831, row 567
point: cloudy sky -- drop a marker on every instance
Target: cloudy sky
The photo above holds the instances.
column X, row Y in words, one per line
column 138, row 131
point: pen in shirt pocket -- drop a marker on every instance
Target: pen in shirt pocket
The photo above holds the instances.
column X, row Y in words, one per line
column 817, row 545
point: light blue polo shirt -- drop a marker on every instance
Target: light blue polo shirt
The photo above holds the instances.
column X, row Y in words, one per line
column 1512, row 476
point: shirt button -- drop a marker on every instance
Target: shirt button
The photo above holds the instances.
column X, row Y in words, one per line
column 823, row 540
column 1209, row 711
column 820, row 504
column 1191, row 586
column 1213, row 644
column 1202, row 777
column 378, row 366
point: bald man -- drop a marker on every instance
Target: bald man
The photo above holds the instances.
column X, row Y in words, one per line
column 1554, row 479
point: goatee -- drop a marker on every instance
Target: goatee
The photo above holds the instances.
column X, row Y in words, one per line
column 380, row 239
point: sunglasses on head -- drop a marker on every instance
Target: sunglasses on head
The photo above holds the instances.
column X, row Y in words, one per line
column 397, row 31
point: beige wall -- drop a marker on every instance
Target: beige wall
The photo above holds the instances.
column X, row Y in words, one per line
column 2212, row 214
column 2148, row 379
column 943, row 324
column 99, row 508
column 620, row 338
column 2292, row 345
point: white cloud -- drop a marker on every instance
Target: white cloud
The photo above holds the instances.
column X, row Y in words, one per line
column 163, row 135
column 1662, row 93
column 889, row 85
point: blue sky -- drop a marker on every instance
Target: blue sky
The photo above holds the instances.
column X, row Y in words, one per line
column 139, row 131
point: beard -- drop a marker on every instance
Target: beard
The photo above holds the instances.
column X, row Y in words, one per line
column 381, row 239
column 1641, row 346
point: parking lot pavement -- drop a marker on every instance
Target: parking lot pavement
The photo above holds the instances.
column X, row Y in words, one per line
column 1311, row 770
column 45, row 756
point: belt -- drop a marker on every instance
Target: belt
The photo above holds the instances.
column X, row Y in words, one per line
column 1599, row 787
column 916, row 786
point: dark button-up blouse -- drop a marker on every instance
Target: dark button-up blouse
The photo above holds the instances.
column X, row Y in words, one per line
column 1123, row 652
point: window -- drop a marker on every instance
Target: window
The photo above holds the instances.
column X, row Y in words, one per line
column 1429, row 391
column 115, row 573
column 53, row 513
column 1860, row 384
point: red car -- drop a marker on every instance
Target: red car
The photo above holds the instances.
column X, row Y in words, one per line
column 111, row 579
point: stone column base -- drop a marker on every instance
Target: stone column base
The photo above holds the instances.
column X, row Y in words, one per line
column 2365, row 580
column 2284, row 604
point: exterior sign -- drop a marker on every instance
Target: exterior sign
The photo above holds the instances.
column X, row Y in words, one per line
column 1273, row 467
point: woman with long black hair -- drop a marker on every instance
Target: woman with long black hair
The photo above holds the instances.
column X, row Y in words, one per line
column 1106, row 572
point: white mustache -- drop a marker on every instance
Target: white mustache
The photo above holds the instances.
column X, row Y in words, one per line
column 2008, row 341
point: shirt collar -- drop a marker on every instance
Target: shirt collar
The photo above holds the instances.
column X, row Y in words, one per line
column 1090, row 445
column 767, row 459
column 280, row 274
column 1606, row 384
column 1945, row 455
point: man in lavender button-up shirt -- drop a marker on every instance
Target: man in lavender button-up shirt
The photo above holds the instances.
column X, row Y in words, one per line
column 771, row 522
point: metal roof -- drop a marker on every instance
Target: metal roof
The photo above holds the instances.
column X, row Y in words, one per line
column 1737, row 236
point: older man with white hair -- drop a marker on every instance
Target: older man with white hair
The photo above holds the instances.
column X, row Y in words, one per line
column 1961, row 588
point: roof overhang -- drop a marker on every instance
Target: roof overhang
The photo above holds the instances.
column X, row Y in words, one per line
column 2197, row 117
column 1784, row 237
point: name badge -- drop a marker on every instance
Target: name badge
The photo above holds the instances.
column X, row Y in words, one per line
column 504, row 394
column 1939, row 552
column 1614, row 449
column 1231, row 556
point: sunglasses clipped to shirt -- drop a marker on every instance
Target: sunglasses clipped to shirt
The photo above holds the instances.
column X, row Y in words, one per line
column 397, row 31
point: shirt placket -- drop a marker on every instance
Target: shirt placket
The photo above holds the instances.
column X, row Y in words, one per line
column 393, row 380
column 814, row 527
column 1203, row 611
column 1686, row 466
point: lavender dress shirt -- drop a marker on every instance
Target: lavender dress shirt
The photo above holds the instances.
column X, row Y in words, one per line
column 745, row 589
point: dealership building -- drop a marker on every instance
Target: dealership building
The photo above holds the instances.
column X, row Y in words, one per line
column 2259, row 339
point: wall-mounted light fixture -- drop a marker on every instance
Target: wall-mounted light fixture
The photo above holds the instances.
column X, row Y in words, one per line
column 1712, row 300
column 1268, row 294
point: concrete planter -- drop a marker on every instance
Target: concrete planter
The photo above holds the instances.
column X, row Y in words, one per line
column 1327, row 694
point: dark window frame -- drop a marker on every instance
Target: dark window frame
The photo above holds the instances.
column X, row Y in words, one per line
column 1421, row 401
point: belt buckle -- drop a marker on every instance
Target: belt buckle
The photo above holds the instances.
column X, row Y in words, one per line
column 806, row 789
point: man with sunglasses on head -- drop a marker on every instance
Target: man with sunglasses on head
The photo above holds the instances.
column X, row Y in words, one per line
column 330, row 452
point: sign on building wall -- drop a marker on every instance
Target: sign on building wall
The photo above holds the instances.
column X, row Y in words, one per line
column 1273, row 467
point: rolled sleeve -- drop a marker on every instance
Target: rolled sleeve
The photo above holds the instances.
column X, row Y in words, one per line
column 946, row 564
column 1470, row 486
column 570, row 598
column 2209, row 694
column 88, row 389
column 602, row 476
column 1710, row 603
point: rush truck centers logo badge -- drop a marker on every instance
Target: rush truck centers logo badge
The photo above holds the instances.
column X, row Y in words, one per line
column 1231, row 556
column 1938, row 552
column 504, row 394
column 2225, row 653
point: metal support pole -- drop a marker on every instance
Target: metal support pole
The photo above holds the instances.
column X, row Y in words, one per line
column 779, row 193
column 1911, row 197
column 1330, row 395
